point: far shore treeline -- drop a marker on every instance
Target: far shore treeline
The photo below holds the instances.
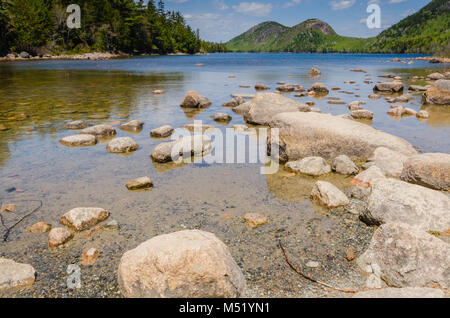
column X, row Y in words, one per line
column 39, row 27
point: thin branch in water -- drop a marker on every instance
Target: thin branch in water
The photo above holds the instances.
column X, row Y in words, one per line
column 345, row 290
column 8, row 229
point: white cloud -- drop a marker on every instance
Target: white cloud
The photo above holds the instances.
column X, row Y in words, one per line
column 342, row 4
column 253, row 8
column 220, row 5
column 397, row 1
column 291, row 3
column 179, row 1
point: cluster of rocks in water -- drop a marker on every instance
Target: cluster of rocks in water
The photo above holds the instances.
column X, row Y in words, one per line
column 396, row 188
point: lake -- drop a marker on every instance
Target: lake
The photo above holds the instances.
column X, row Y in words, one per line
column 211, row 197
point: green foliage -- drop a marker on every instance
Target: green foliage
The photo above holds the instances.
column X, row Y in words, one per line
column 106, row 25
column 427, row 31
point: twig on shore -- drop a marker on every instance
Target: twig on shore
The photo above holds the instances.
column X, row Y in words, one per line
column 345, row 290
column 8, row 229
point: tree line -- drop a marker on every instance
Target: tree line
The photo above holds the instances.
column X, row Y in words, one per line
column 39, row 26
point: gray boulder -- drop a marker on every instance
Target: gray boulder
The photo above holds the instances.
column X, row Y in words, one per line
column 99, row 131
column 344, row 165
column 81, row 140
column 195, row 100
column 392, row 87
column 312, row 166
column 389, row 161
column 186, row 146
column 328, row 195
column 122, row 145
column 162, row 132
column 81, row 219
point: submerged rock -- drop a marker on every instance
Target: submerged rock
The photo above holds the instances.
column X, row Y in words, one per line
column 313, row 166
column 222, row 117
column 310, row 134
column 191, row 264
column 313, row 72
column 423, row 114
column 89, row 256
column 59, row 236
column 362, row 114
column 328, row 195
column 436, row 76
column 77, row 124
column 40, row 227
column 190, row 145
column 162, row 132
column 408, row 257
column 195, row 100
column 139, row 183
column 81, row 219
column 236, row 101
column 393, row 200
column 99, row 131
column 430, row 170
column 286, row 88
column 319, row 88
column 15, row 275
column 81, row 140
column 261, row 87
column 255, row 219
column 265, row 106
column 122, row 145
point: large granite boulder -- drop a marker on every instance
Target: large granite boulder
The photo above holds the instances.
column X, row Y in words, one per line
column 430, row 170
column 393, row 200
column 389, row 161
column 389, row 87
column 436, row 96
column 408, row 257
column 186, row 264
column 328, row 195
column 311, row 134
column 265, row 106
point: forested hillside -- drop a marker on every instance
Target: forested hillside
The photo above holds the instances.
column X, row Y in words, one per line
column 38, row 26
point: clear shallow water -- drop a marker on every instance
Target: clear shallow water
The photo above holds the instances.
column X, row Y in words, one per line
column 213, row 197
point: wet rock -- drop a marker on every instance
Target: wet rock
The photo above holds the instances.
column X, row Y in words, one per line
column 313, row 166
column 236, row 101
column 81, row 219
column 418, row 88
column 408, row 257
column 261, row 87
column 397, row 111
column 59, row 236
column 355, row 105
column 286, row 88
column 221, row 117
column 328, row 195
column 362, row 114
column 82, row 140
column 195, row 100
column 112, row 224
column 190, row 145
column 358, row 71
column 423, row 114
column 409, row 112
column 436, row 96
column 265, row 106
column 374, row 96
column 134, row 125
column 99, row 131
column 122, row 145
column 139, row 183
column 393, row 87
column 310, row 134
column 40, row 227
column 15, row 275
column 436, row 76
column 8, row 208
column 407, row 292
column 199, row 128
column 430, row 170
column 389, row 75
column 255, row 219
column 390, row 162
column 182, row 264
column 89, row 256
column 344, row 165
column 162, row 132
column 393, row 200
column 77, row 124
column 242, row 109
column 336, row 102
column 319, row 88
column 313, row 72
column 368, row 177
column 158, row 92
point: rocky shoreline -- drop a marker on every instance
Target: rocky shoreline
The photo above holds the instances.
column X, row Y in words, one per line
column 398, row 193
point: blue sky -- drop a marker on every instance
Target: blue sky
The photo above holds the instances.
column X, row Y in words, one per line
column 221, row 20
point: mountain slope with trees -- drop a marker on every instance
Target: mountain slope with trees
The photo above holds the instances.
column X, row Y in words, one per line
column 39, row 26
column 427, row 31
